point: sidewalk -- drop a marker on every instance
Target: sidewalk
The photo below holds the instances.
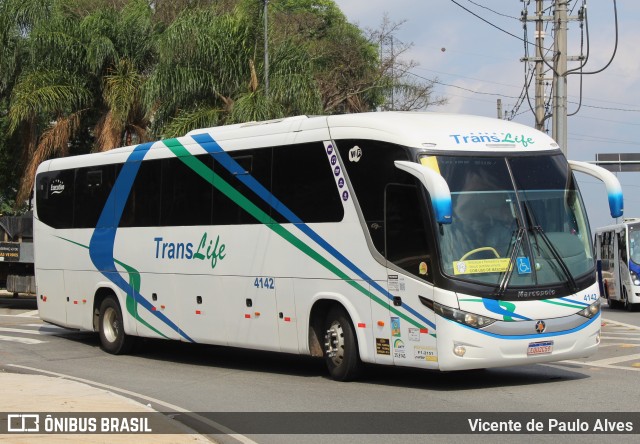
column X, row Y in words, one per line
column 25, row 393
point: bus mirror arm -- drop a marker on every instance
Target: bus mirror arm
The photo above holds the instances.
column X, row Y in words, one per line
column 435, row 185
column 614, row 189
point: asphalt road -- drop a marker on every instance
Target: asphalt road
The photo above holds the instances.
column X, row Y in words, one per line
column 173, row 377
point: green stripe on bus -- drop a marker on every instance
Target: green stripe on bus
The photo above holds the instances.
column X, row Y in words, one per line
column 563, row 304
column 134, row 281
column 219, row 183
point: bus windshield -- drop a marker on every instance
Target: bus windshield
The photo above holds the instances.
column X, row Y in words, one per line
column 517, row 221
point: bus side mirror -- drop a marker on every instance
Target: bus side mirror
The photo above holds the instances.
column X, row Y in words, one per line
column 435, row 185
column 614, row 189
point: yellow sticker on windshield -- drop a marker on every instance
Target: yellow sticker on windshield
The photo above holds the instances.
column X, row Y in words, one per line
column 481, row 266
column 430, row 162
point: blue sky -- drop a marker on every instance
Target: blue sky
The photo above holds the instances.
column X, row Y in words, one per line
column 479, row 58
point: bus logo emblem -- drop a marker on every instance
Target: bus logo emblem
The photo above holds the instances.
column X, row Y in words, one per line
column 540, row 326
column 57, row 187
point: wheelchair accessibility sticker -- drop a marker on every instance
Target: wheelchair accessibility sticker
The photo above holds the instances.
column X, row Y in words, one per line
column 524, row 266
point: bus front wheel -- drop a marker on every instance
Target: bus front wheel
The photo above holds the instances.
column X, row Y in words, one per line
column 341, row 347
column 627, row 305
column 111, row 328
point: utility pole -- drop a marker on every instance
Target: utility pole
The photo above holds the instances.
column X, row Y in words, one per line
column 499, row 108
column 559, row 133
column 539, row 108
column 559, row 60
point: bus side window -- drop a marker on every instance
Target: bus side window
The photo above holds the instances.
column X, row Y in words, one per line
column 253, row 162
column 92, row 188
column 405, row 237
column 303, row 180
column 187, row 198
column 54, row 198
column 622, row 246
column 370, row 167
column 142, row 208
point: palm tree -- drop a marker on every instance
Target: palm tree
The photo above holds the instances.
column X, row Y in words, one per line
column 84, row 73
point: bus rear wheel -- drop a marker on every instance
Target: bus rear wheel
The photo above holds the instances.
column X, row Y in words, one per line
column 341, row 347
column 113, row 339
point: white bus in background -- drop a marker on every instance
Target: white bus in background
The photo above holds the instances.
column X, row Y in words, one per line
column 618, row 255
column 413, row 239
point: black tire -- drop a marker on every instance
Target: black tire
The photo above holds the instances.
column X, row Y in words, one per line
column 111, row 328
column 341, row 346
column 627, row 305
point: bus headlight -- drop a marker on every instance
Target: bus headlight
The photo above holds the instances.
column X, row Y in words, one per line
column 634, row 278
column 462, row 317
column 591, row 310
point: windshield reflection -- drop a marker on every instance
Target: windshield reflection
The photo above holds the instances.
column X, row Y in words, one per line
column 544, row 209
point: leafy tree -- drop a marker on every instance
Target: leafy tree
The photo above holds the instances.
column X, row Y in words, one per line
column 82, row 75
column 401, row 89
column 210, row 67
column 352, row 68
column 82, row 72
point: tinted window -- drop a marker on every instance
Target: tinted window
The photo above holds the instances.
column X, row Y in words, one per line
column 54, row 198
column 234, row 201
column 370, row 168
column 303, row 181
column 187, row 197
column 406, row 240
column 92, row 188
column 143, row 203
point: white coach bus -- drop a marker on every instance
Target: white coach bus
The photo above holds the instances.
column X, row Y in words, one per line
column 618, row 258
column 412, row 239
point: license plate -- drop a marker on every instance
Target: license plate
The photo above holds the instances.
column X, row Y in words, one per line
column 540, row 348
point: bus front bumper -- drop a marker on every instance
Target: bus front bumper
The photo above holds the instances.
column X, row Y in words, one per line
column 462, row 348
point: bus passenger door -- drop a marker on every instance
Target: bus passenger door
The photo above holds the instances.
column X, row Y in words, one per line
column 413, row 341
column 381, row 326
column 408, row 272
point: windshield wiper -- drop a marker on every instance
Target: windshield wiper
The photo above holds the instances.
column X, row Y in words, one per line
column 507, row 276
column 563, row 266
column 536, row 228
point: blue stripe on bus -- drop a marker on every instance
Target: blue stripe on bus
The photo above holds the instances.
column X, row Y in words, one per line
column 538, row 336
column 634, row 267
column 586, row 304
column 103, row 238
column 213, row 148
column 494, row 306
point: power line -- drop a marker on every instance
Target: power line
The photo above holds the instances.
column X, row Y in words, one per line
column 608, row 108
column 491, row 24
column 599, row 119
column 495, row 12
column 593, row 99
column 513, row 97
column 438, row 82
